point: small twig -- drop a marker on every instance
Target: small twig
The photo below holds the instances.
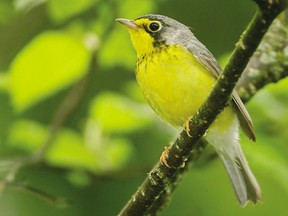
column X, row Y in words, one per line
column 66, row 108
column 59, row 202
column 160, row 176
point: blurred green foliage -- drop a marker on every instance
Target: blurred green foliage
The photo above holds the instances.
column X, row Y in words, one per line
column 65, row 59
column 106, row 146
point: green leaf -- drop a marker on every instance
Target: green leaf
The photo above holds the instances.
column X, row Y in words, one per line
column 62, row 10
column 69, row 151
column 117, row 152
column 118, row 114
column 48, row 64
column 27, row 135
column 112, row 152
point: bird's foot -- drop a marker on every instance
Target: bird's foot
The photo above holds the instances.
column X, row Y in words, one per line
column 164, row 156
column 186, row 126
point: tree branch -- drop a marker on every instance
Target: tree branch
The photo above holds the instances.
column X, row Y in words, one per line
column 269, row 62
column 160, row 176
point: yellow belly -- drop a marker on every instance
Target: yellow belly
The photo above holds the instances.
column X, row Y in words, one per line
column 176, row 84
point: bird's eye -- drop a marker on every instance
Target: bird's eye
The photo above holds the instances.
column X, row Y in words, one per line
column 154, row 26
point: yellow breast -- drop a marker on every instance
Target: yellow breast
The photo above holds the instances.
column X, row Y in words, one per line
column 174, row 82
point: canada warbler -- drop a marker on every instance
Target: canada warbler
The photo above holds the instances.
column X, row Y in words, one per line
column 176, row 73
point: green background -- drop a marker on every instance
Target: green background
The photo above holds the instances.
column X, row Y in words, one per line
column 112, row 139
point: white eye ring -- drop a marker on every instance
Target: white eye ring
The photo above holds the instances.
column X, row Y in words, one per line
column 154, row 26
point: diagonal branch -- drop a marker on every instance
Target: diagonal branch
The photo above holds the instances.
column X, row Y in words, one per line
column 160, row 176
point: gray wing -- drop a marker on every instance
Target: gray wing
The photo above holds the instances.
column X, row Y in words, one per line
column 243, row 116
column 206, row 58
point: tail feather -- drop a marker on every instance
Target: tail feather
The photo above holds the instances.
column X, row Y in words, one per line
column 236, row 178
column 226, row 143
column 253, row 188
column 244, row 182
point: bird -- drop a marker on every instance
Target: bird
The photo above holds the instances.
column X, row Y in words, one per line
column 176, row 73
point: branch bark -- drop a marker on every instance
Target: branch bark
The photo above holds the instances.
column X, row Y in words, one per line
column 161, row 176
column 269, row 62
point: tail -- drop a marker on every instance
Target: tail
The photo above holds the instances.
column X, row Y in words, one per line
column 226, row 143
column 244, row 182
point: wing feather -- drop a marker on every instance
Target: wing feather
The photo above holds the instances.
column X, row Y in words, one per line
column 206, row 58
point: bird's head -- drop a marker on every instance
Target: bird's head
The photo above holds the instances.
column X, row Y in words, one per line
column 152, row 31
